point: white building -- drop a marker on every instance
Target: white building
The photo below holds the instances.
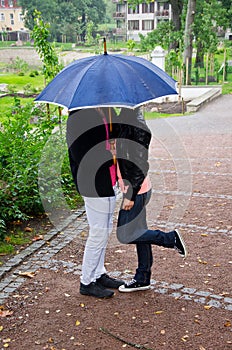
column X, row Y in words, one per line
column 142, row 19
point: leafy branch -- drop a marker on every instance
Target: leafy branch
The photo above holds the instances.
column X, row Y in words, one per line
column 45, row 49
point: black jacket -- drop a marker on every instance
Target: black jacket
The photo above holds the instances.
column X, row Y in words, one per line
column 88, row 156
column 133, row 141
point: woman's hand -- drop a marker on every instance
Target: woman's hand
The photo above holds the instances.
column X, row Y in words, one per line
column 127, row 204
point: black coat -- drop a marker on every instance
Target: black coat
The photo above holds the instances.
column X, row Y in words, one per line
column 88, row 156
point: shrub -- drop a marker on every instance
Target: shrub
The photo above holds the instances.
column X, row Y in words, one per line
column 20, row 154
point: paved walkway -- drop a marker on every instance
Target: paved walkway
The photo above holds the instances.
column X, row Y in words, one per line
column 189, row 148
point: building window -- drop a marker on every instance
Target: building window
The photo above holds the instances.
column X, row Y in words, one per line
column 11, row 18
column 3, row 3
column 148, row 8
column 147, row 25
column 133, row 10
column 2, row 17
column 133, row 25
column 20, row 17
column 11, row 3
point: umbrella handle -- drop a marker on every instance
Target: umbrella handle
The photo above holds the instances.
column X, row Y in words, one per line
column 104, row 42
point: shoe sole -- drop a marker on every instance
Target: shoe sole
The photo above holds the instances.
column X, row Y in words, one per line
column 129, row 290
column 97, row 296
column 184, row 256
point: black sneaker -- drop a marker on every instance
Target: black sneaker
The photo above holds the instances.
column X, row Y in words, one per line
column 180, row 245
column 133, row 286
column 109, row 282
column 95, row 290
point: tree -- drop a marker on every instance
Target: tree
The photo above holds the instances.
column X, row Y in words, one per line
column 209, row 16
column 45, row 7
column 67, row 18
column 188, row 39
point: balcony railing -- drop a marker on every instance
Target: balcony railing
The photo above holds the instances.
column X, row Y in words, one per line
column 164, row 13
column 119, row 15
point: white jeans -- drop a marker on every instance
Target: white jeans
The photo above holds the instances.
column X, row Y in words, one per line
column 99, row 213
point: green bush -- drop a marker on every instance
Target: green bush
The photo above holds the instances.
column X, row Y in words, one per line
column 23, row 136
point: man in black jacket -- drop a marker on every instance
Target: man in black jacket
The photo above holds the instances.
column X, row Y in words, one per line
column 92, row 169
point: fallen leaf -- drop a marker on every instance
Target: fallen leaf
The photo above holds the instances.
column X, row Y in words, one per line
column 185, row 338
column 37, row 238
column 204, row 235
column 5, row 313
column 217, row 265
column 27, row 274
column 162, row 331
column 201, row 348
column 227, row 324
column 158, row 312
column 83, row 234
column 82, row 305
column 28, row 229
column 67, row 295
column 197, row 334
column 77, row 323
column 207, row 307
column 217, row 164
column 1, row 328
column 6, row 340
column 202, row 261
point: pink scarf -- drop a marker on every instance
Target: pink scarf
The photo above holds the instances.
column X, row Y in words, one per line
column 112, row 167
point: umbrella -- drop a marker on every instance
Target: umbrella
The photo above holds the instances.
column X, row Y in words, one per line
column 107, row 80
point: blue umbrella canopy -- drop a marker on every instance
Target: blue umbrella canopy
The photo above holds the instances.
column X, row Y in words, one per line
column 107, row 80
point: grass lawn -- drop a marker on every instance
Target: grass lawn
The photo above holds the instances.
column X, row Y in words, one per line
column 18, row 82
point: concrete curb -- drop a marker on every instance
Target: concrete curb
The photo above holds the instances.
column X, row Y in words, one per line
column 34, row 247
column 200, row 101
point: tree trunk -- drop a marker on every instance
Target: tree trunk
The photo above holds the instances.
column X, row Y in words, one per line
column 199, row 56
column 188, row 39
column 177, row 7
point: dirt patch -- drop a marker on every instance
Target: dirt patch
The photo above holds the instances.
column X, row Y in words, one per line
column 167, row 107
column 49, row 313
column 30, row 229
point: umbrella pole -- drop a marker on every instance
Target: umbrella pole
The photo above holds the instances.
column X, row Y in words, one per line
column 48, row 111
column 60, row 113
column 112, row 144
column 110, row 119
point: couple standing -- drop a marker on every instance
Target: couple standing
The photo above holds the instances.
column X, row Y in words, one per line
column 94, row 137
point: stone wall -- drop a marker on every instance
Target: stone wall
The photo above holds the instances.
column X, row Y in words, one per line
column 29, row 55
